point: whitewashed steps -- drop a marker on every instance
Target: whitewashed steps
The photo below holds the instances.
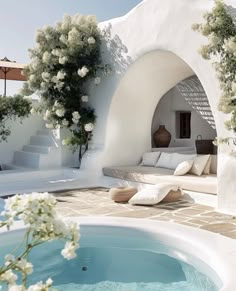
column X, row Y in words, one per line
column 44, row 132
column 42, row 140
column 42, row 152
column 36, row 149
column 26, row 159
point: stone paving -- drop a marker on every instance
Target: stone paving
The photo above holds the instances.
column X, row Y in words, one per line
column 96, row 201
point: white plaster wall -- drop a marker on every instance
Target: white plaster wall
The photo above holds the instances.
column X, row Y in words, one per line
column 171, row 102
column 152, row 48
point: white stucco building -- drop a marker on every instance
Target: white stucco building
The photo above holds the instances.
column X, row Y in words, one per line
column 151, row 50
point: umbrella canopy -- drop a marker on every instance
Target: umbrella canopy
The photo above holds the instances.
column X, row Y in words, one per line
column 10, row 70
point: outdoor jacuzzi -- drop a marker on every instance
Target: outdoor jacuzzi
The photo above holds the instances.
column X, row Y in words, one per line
column 135, row 254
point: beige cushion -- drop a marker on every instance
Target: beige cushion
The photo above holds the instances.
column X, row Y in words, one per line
column 122, row 194
column 183, row 168
column 172, row 196
column 150, row 158
column 206, row 170
column 177, row 158
column 152, row 194
column 199, row 164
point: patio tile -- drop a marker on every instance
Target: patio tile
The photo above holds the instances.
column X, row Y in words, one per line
column 137, row 213
column 202, row 207
column 161, row 218
column 231, row 234
column 219, row 227
column 187, row 223
column 190, row 211
column 96, row 201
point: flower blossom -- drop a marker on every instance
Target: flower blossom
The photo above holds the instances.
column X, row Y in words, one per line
column 46, row 57
column 60, row 112
column 45, row 76
column 75, row 120
column 33, row 111
column 61, row 75
column 76, row 115
column 65, row 122
column 84, row 98
column 49, row 125
column 69, row 250
column 91, row 40
column 9, row 277
column 63, row 60
column 41, row 286
column 97, row 80
column 25, row 267
column 83, row 71
column 89, row 126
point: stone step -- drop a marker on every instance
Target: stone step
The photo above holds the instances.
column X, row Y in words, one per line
column 36, row 149
column 44, row 132
column 42, row 140
column 26, row 159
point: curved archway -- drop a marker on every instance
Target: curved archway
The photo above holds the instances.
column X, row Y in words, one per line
column 186, row 114
column 132, row 107
column 161, row 49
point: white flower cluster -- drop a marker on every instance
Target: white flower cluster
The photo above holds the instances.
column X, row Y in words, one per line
column 89, row 126
column 75, row 117
column 43, row 223
column 83, row 71
column 220, row 28
column 58, row 110
column 84, row 98
column 40, row 286
column 97, row 80
column 65, row 57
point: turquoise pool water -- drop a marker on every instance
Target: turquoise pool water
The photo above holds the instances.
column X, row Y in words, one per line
column 111, row 263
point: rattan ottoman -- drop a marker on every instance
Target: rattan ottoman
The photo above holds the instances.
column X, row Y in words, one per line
column 122, row 194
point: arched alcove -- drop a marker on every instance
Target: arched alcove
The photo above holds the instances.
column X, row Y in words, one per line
column 186, row 114
column 158, row 49
column 136, row 97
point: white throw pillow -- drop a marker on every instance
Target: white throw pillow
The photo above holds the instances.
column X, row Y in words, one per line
column 150, row 159
column 199, row 164
column 164, row 160
column 183, row 168
column 152, row 194
column 206, row 170
column 179, row 158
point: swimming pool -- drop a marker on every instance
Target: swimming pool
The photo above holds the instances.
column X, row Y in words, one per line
column 133, row 254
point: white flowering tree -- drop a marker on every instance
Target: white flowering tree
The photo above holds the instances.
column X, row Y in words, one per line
column 65, row 59
column 43, row 223
column 220, row 29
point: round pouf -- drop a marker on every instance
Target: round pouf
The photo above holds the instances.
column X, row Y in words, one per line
column 122, row 194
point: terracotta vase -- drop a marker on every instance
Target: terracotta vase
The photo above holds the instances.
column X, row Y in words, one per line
column 162, row 137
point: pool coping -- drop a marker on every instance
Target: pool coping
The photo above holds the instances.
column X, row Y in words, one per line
column 216, row 251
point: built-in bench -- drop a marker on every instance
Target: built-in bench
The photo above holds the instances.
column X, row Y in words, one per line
column 155, row 175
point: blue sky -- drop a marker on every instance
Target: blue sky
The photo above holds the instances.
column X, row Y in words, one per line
column 21, row 18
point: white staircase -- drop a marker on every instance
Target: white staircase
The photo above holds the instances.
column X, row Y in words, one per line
column 42, row 152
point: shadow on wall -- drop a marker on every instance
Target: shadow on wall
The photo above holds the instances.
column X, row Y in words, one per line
column 114, row 52
column 193, row 92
